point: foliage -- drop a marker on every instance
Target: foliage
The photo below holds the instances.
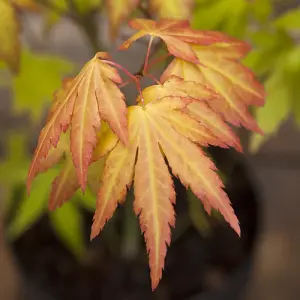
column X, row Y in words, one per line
column 204, row 87
column 102, row 134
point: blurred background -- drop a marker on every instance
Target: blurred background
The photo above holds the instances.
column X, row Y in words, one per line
column 46, row 256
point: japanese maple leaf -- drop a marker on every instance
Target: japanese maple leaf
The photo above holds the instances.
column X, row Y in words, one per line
column 177, row 35
column 220, row 70
column 154, row 134
column 92, row 96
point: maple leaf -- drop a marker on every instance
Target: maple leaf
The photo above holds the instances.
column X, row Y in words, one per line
column 92, row 96
column 177, row 35
column 154, row 135
column 66, row 183
column 221, row 71
column 9, row 35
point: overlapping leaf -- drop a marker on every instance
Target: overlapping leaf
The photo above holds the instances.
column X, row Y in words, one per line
column 178, row 36
column 153, row 128
column 221, row 71
column 204, row 88
column 83, row 102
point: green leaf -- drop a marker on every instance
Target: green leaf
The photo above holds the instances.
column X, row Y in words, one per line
column 67, row 223
column 198, row 215
column 39, row 77
column 261, row 9
column 277, row 109
column 289, row 20
column 14, row 167
column 86, row 200
column 219, row 15
column 270, row 50
column 31, row 208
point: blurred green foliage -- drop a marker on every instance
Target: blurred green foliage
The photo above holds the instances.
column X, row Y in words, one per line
column 275, row 58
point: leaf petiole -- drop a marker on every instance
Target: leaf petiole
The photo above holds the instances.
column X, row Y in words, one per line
column 136, row 79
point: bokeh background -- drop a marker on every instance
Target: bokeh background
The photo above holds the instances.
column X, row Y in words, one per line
column 48, row 255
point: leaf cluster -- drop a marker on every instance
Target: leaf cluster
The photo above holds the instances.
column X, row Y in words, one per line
column 203, row 91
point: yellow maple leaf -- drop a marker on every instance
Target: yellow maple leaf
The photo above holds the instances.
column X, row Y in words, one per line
column 83, row 102
column 153, row 136
column 9, row 35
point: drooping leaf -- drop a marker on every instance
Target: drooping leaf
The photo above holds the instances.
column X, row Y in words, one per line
column 67, row 223
column 116, row 178
column 9, row 36
column 177, row 34
column 154, row 135
column 92, row 96
column 118, row 11
column 222, row 72
column 32, row 91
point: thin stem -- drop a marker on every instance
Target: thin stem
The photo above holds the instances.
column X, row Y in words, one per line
column 148, row 54
column 133, row 77
column 153, row 78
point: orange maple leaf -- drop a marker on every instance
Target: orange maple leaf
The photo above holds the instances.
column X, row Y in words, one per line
column 178, row 36
column 92, row 96
column 153, row 134
column 222, row 72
